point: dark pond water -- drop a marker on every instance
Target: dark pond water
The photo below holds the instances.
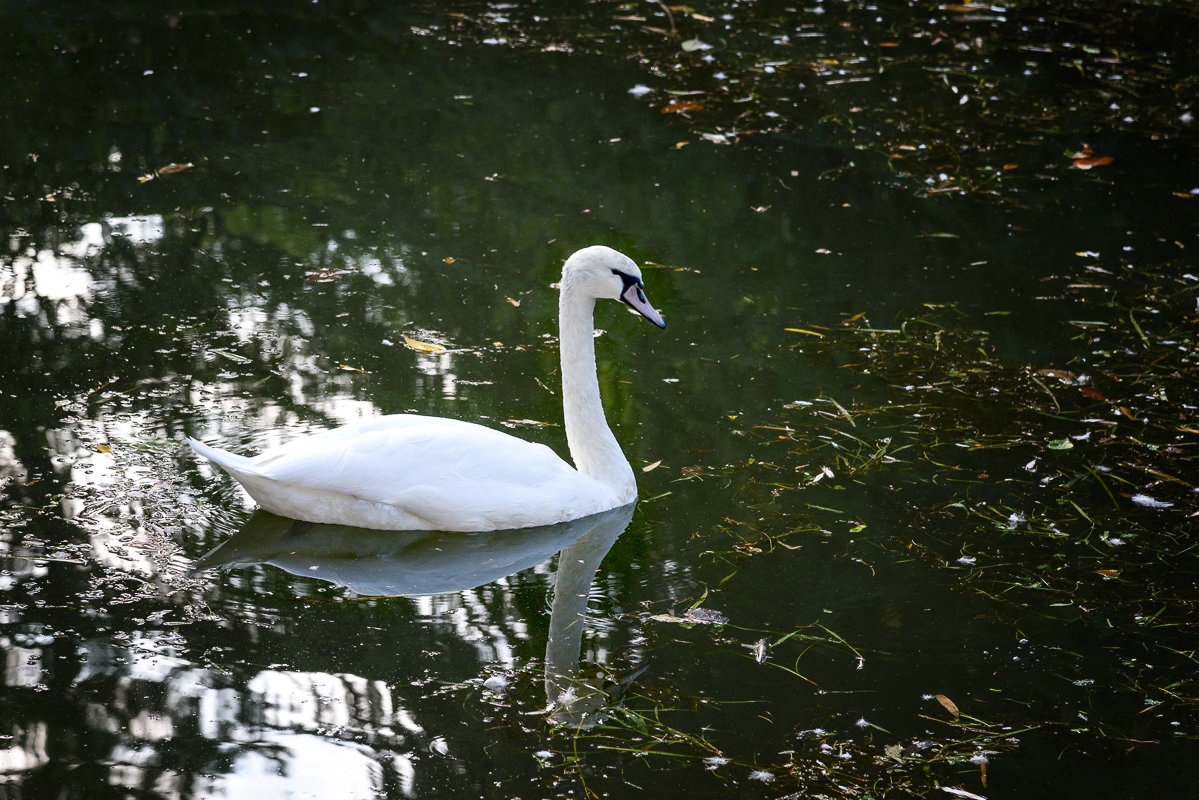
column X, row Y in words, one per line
column 919, row 435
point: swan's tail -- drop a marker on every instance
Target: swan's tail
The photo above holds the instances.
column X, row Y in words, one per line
column 235, row 465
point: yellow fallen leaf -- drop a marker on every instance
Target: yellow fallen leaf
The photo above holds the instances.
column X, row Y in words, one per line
column 103, row 448
column 348, row 368
column 804, row 330
column 423, row 347
column 653, row 466
column 514, row 303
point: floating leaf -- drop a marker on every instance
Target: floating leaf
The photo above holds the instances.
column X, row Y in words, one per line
column 1108, row 573
column 949, row 705
column 691, row 45
column 1093, row 161
column 423, row 347
column 103, row 448
column 1061, row 444
column 169, row 169
column 448, row 260
column 652, row 467
column 512, row 302
column 1060, row 374
column 804, row 330
column 682, row 107
column 761, row 650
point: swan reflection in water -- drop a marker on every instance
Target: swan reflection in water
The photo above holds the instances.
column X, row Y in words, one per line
column 388, row 563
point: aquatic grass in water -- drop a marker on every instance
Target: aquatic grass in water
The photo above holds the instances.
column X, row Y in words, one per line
column 957, row 100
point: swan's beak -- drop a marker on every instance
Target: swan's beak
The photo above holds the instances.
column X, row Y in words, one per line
column 634, row 298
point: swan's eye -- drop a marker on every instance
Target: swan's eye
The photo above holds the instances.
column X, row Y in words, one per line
column 627, row 280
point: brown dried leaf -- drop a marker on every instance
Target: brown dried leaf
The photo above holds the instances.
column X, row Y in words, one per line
column 1091, row 161
column 1060, row 374
column 949, row 705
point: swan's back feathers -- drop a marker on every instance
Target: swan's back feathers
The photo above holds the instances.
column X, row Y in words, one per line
column 413, row 471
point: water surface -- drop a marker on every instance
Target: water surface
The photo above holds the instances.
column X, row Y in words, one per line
column 344, row 180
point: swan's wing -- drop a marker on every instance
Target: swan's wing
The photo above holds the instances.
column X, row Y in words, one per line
column 392, row 458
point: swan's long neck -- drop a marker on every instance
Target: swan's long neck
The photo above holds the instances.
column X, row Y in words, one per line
column 592, row 445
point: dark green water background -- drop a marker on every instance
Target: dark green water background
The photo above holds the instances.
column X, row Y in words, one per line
column 362, row 175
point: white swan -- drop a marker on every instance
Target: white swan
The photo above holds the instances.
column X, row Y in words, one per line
column 412, row 472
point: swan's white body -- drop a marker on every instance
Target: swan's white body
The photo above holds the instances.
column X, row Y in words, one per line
column 412, row 472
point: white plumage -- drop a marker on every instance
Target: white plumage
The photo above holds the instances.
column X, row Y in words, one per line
column 413, row 472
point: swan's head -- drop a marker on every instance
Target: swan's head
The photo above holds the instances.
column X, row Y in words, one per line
column 603, row 273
